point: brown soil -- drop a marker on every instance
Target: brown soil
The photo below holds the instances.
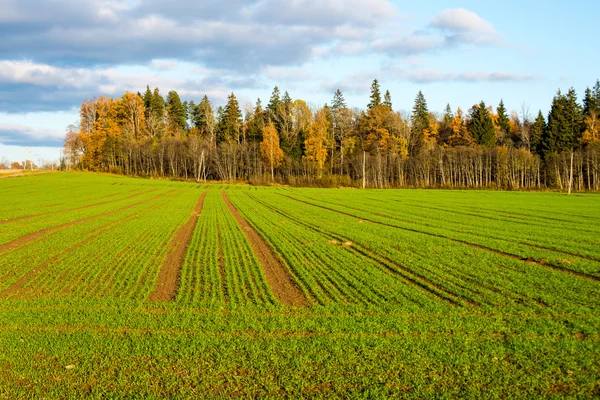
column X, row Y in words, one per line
column 9, row 175
column 168, row 277
column 34, row 235
column 6, row 221
column 281, row 282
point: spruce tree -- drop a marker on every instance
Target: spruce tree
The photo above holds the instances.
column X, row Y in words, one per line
column 375, row 95
column 273, row 106
column 503, row 121
column 192, row 110
column 259, row 121
column 338, row 101
column 419, row 120
column 157, row 104
column 591, row 101
column 232, row 120
column 565, row 124
column 147, row 99
column 482, row 126
column 176, row 112
column 536, row 132
column 448, row 114
column 387, row 100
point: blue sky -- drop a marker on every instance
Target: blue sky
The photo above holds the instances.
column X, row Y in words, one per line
column 56, row 54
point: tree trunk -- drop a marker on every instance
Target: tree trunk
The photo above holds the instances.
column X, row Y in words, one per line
column 364, row 172
column 571, row 173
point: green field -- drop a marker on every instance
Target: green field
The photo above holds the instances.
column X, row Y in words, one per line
column 116, row 287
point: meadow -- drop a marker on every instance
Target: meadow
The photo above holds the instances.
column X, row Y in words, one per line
column 116, row 287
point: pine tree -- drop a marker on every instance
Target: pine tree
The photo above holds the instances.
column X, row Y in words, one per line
column 482, row 126
column 375, row 95
column 387, row 100
column 419, row 121
column 536, row 132
column 503, row 120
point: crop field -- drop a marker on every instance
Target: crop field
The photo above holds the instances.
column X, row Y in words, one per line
column 115, row 287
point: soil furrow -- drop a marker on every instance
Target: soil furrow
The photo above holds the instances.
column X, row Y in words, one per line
column 168, row 277
column 282, row 284
column 473, row 245
column 409, row 276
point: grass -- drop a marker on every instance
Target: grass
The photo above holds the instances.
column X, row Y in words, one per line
column 411, row 293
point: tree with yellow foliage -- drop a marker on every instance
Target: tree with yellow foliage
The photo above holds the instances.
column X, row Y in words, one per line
column 132, row 111
column 316, row 142
column 592, row 128
column 269, row 148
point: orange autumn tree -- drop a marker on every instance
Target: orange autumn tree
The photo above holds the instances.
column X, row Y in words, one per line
column 98, row 122
column 316, row 141
column 269, row 148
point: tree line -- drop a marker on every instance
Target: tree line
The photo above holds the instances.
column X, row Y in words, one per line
column 334, row 145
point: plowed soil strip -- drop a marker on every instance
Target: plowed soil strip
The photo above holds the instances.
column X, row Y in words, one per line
column 473, row 245
column 6, row 221
column 168, row 277
column 282, row 284
column 420, row 281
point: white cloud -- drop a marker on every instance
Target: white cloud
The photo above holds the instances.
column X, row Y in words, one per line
column 461, row 20
column 435, row 75
column 23, row 135
column 164, row 65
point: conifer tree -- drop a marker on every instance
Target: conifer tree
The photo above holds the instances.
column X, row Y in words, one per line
column 157, row 105
column 147, row 100
column 274, row 102
column 387, row 99
column 503, row 120
column 231, row 120
column 536, row 132
column 565, row 124
column 591, row 101
column 448, row 114
column 375, row 95
column 176, row 112
column 338, row 101
column 419, row 121
column 482, row 126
